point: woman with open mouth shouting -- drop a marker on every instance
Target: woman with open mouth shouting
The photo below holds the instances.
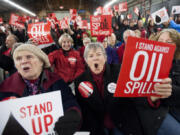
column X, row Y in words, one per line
column 104, row 114
column 32, row 78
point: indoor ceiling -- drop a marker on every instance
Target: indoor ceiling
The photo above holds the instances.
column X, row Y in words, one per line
column 54, row 5
column 49, row 5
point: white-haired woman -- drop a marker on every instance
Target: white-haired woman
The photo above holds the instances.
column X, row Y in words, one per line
column 67, row 62
column 104, row 114
column 31, row 78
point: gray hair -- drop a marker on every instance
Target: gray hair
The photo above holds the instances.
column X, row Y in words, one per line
column 86, row 39
column 132, row 33
column 14, row 37
column 65, row 35
column 15, row 45
column 94, row 46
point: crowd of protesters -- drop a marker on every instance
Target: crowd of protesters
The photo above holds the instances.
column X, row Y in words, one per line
column 75, row 60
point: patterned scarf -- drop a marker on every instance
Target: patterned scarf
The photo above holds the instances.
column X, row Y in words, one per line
column 32, row 87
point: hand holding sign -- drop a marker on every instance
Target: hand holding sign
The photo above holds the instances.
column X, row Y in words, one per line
column 160, row 16
column 35, row 114
column 163, row 89
column 69, row 123
column 41, row 34
column 148, row 63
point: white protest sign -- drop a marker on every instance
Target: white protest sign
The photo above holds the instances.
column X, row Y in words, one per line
column 4, row 115
column 160, row 16
column 176, row 10
column 36, row 114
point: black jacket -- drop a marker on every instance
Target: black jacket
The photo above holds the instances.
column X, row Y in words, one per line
column 6, row 62
column 133, row 116
column 174, row 100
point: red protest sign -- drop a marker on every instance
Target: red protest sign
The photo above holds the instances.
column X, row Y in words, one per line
column 40, row 33
column 64, row 24
column 129, row 16
column 101, row 25
column 52, row 15
column 136, row 10
column 106, row 11
column 14, row 20
column 145, row 63
column 123, row 7
column 1, row 20
column 73, row 11
column 83, row 24
column 78, row 19
column 116, row 8
column 99, row 10
column 73, row 14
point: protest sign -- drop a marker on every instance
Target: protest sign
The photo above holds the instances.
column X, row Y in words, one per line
column 123, row 7
column 33, row 115
column 106, row 11
column 116, row 8
column 14, row 20
column 1, row 20
column 78, row 19
column 145, row 63
column 160, row 16
column 63, row 24
column 129, row 16
column 136, row 10
column 101, row 25
column 40, row 33
column 73, row 14
column 83, row 24
column 89, row 26
column 175, row 10
column 99, row 10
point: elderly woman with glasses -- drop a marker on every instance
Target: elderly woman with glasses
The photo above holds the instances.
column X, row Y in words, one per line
column 104, row 114
column 33, row 77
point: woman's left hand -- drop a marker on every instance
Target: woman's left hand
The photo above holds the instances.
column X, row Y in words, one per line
column 163, row 89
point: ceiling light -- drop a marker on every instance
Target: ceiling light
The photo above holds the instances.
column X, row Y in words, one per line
column 19, row 7
column 110, row 3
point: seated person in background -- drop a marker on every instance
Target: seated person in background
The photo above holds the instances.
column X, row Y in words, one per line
column 120, row 50
column 112, row 57
column 112, row 41
column 86, row 41
column 32, row 77
column 67, row 62
column 6, row 61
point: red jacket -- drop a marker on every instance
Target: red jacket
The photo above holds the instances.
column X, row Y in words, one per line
column 81, row 51
column 68, row 67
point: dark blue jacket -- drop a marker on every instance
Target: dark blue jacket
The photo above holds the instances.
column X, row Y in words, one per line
column 112, row 56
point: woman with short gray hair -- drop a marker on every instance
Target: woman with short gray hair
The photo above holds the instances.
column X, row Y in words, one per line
column 94, row 46
column 103, row 114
